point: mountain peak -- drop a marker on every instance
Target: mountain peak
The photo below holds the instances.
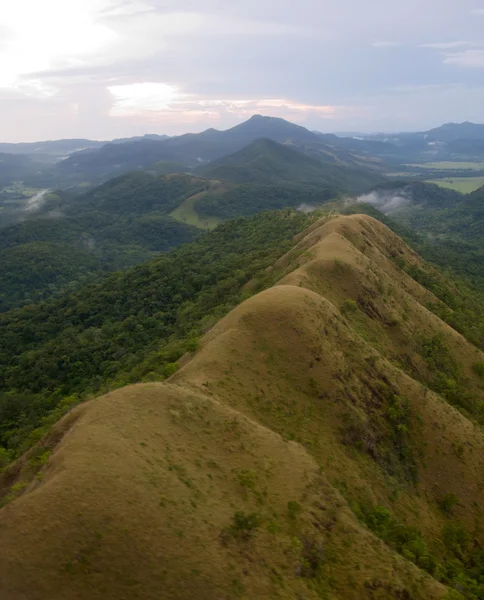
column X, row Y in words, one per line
column 274, row 128
column 453, row 131
column 258, row 117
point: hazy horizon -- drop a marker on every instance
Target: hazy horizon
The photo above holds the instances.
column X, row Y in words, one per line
column 105, row 69
column 201, row 129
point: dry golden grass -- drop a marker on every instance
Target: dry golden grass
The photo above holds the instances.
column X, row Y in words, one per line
column 138, row 496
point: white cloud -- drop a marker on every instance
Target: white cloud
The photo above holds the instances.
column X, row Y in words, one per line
column 178, row 65
column 137, row 98
column 120, row 8
column 469, row 59
column 159, row 102
column 54, row 33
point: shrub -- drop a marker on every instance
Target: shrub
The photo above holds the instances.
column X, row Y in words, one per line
column 478, row 369
column 448, row 502
column 293, row 508
column 244, row 525
column 348, row 307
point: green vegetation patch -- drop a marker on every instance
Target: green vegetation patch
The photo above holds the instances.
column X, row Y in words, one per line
column 133, row 325
column 459, row 563
column 447, row 165
column 464, row 185
column 187, row 213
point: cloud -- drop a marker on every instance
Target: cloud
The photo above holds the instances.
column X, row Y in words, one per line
column 137, row 98
column 161, row 102
column 446, row 45
column 469, row 59
column 113, row 68
column 388, row 203
column 40, row 36
column 385, row 44
column 477, row 11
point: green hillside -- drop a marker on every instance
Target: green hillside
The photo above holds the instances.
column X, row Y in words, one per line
column 134, row 322
column 321, row 439
column 268, row 162
column 133, row 216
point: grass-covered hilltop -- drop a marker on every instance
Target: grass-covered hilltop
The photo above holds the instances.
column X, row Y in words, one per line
column 305, row 422
column 243, row 364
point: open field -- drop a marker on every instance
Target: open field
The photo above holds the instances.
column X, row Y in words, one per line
column 19, row 189
column 450, row 166
column 186, row 213
column 464, row 185
column 402, row 175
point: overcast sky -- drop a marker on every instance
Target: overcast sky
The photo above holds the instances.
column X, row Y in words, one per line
column 113, row 68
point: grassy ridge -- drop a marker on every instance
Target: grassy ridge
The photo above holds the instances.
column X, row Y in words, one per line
column 308, row 446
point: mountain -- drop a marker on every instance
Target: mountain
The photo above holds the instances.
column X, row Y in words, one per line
column 321, row 440
column 66, row 163
column 147, row 136
column 62, row 148
column 459, row 142
column 192, row 150
column 278, row 130
column 268, row 162
column 58, row 148
column 268, row 175
column 109, row 160
column 188, row 150
column 14, row 168
column 451, row 132
column 447, row 132
column 212, row 144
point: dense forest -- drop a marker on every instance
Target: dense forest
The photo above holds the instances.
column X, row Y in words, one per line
column 71, row 239
column 445, row 227
column 245, row 200
column 132, row 325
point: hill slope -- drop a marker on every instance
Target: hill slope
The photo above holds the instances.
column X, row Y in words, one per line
column 451, row 132
column 268, row 162
column 299, row 453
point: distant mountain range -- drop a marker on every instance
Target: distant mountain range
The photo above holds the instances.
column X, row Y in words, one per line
column 61, row 148
column 451, row 141
column 447, row 132
column 65, row 163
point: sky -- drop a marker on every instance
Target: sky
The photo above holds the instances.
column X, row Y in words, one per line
column 103, row 69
